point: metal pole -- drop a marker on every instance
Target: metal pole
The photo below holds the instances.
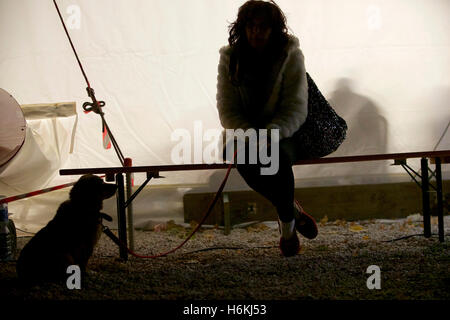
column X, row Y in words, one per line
column 425, row 199
column 121, row 216
column 226, row 214
column 128, row 177
column 439, row 200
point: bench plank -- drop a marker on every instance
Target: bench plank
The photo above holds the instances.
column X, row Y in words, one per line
column 189, row 167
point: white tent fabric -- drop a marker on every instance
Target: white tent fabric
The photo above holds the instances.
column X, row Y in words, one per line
column 383, row 64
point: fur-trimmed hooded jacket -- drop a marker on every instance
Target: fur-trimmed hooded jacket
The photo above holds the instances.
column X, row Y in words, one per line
column 286, row 108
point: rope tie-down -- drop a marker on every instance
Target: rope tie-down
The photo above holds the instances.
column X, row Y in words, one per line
column 96, row 107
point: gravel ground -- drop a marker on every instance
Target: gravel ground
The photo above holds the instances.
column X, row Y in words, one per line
column 247, row 265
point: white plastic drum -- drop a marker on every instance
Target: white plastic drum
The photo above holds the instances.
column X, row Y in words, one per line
column 12, row 127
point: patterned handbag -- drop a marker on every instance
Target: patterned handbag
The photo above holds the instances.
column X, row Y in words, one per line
column 323, row 131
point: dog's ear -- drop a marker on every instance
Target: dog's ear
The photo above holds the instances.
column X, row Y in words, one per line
column 86, row 188
column 108, row 190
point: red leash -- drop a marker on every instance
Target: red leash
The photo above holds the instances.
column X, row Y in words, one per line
column 114, row 238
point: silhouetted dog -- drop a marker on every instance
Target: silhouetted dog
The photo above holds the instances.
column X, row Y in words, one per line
column 70, row 237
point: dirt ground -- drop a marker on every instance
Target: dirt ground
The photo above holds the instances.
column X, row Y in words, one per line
column 247, row 265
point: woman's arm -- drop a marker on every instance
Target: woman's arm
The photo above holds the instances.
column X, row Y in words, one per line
column 228, row 99
column 293, row 105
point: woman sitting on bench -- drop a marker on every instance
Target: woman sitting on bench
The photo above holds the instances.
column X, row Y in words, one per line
column 262, row 84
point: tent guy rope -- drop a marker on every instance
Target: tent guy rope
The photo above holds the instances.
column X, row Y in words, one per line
column 96, row 106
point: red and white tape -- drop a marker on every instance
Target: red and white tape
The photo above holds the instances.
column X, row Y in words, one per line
column 36, row 193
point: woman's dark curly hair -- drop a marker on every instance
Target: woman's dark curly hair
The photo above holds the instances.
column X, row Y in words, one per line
column 237, row 35
column 256, row 8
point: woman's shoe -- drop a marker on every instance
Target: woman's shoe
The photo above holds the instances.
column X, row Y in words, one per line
column 291, row 246
column 304, row 223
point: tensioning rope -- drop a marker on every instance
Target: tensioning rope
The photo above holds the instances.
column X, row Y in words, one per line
column 95, row 106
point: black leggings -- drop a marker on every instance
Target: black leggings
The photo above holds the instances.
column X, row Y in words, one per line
column 277, row 188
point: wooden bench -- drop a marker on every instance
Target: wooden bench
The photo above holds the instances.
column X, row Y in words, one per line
column 425, row 176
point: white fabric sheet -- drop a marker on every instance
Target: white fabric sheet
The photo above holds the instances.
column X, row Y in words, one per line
column 383, row 64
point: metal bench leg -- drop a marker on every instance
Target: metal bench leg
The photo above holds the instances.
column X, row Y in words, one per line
column 439, row 200
column 121, row 215
column 130, row 211
column 425, row 199
column 226, row 214
column 128, row 162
